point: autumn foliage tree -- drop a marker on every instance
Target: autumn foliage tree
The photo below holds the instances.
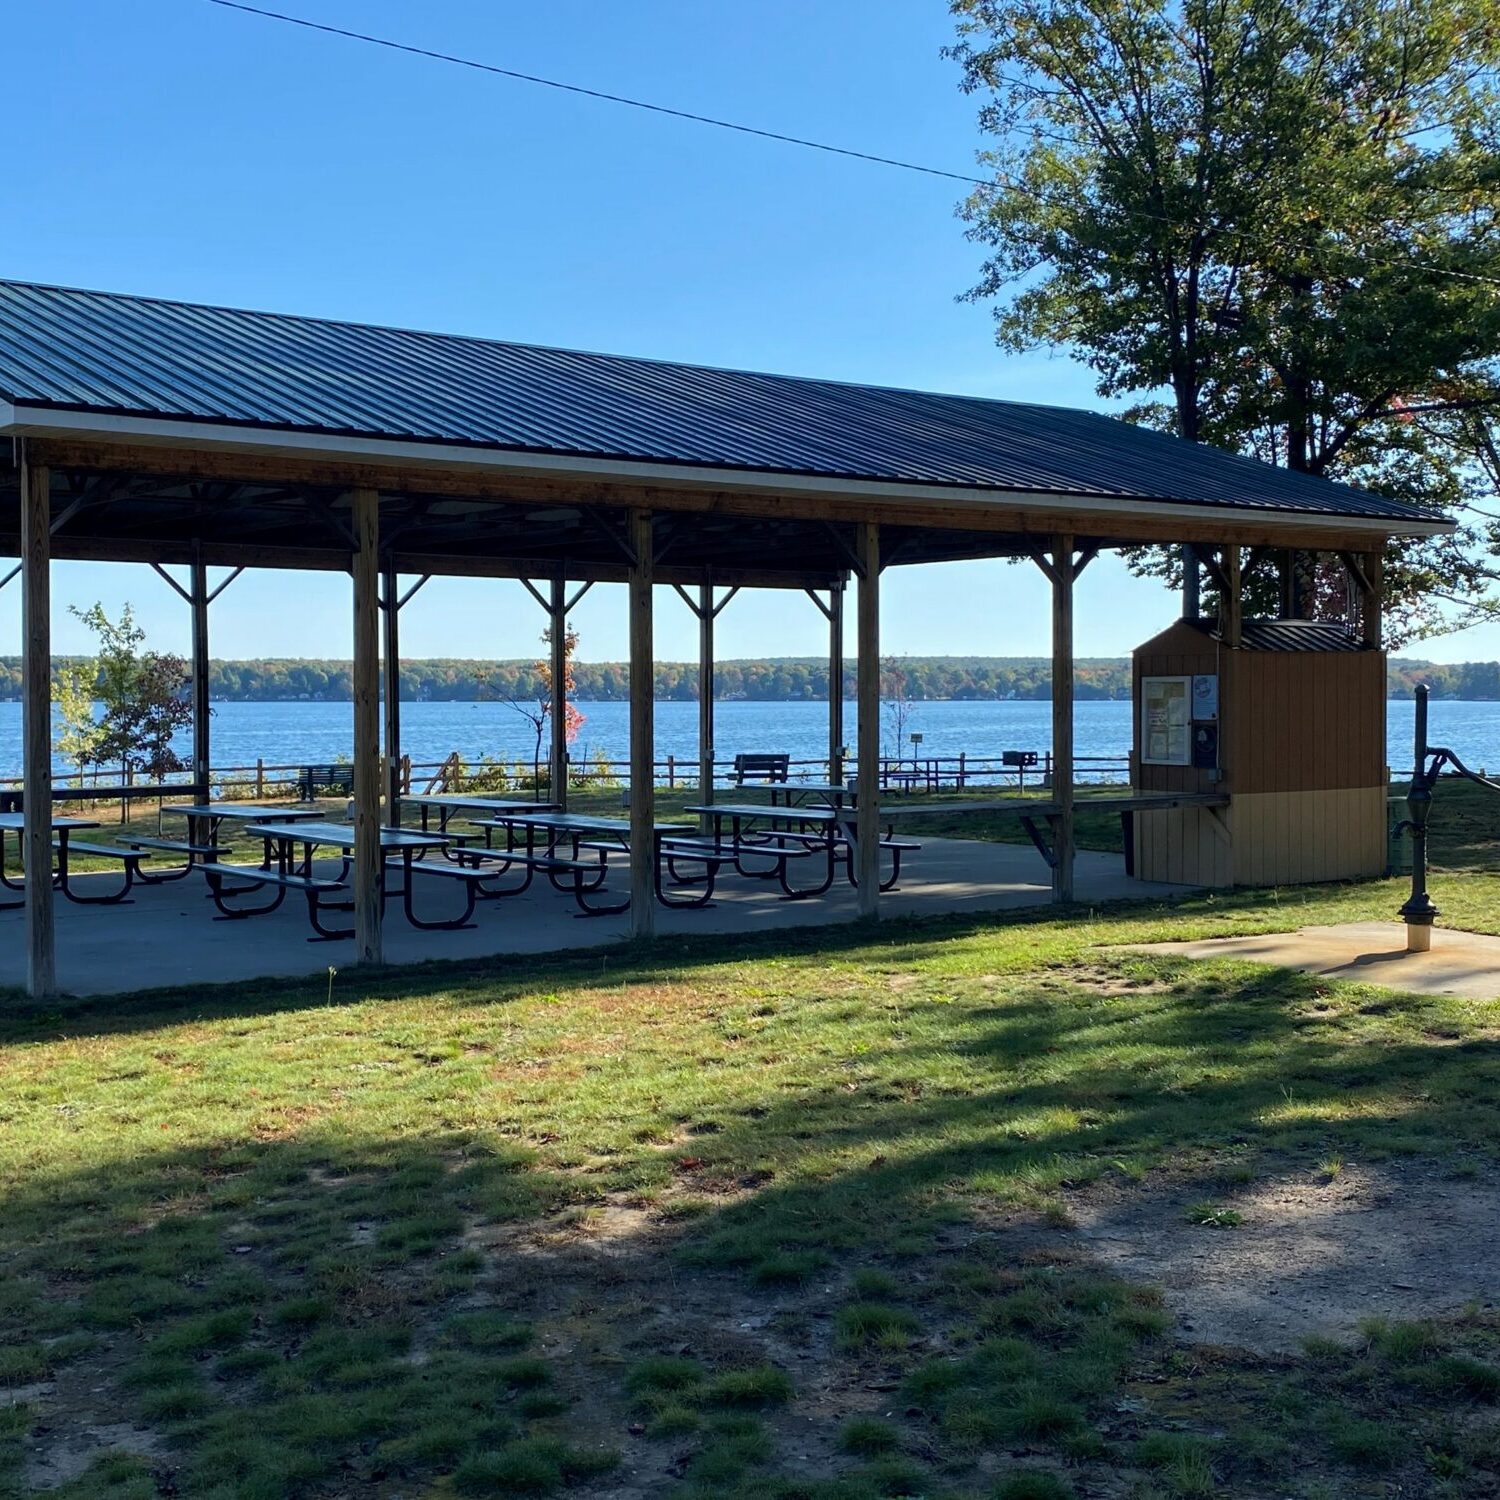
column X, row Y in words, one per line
column 538, row 711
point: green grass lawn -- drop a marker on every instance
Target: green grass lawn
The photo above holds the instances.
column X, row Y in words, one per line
column 728, row 1218
column 719, row 1220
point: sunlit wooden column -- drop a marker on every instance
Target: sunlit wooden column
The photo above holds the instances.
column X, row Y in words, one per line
column 867, row 705
column 368, row 865
column 557, row 614
column 1062, row 577
column 392, row 664
column 706, row 615
column 36, row 730
column 202, row 712
column 836, row 682
column 642, row 729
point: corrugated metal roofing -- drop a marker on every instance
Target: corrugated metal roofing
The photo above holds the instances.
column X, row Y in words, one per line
column 1291, row 635
column 105, row 352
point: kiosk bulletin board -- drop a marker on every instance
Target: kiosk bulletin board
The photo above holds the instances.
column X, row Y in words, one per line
column 1166, row 721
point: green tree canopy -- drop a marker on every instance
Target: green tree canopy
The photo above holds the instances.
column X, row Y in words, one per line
column 1275, row 224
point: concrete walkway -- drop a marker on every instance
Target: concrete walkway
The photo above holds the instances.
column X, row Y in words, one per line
column 168, row 935
column 1460, row 963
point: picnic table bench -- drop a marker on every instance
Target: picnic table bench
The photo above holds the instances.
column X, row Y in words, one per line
column 582, row 879
column 64, row 845
column 193, row 853
column 780, row 843
column 290, row 874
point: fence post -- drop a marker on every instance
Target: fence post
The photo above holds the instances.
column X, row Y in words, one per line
column 260, row 778
column 672, row 773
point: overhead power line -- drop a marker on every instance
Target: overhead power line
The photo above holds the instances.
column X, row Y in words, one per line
column 433, row 55
column 575, row 88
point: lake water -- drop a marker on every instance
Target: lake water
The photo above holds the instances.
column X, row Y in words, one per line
column 295, row 733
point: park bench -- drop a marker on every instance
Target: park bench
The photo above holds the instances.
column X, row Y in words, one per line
column 249, row 878
column 130, row 861
column 1019, row 761
column 761, row 767
column 335, row 780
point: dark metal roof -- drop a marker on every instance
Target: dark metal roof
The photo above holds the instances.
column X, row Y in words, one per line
column 103, row 352
column 1291, row 635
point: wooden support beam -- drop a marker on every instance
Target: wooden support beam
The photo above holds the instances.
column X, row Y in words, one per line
column 392, row 622
column 198, row 601
column 867, row 817
column 642, row 729
column 557, row 614
column 1038, row 516
column 368, row 865
column 706, row 615
column 1063, row 574
column 836, row 683
column 36, row 732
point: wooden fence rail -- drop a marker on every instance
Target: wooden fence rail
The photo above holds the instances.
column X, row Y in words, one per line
column 262, row 779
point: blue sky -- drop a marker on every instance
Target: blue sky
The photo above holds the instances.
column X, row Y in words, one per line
column 183, row 150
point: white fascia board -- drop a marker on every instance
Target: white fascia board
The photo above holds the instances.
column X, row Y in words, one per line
column 28, row 421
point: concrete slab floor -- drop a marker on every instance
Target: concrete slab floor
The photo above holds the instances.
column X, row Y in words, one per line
column 168, row 935
column 1459, row 963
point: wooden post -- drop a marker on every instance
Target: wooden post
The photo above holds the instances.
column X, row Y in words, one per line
column 836, row 683
column 642, row 729
column 36, row 733
column 867, row 816
column 1062, row 715
column 706, row 615
column 557, row 613
column 202, row 713
column 392, row 694
column 1372, row 601
column 368, row 865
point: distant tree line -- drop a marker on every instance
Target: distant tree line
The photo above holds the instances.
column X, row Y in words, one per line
column 775, row 680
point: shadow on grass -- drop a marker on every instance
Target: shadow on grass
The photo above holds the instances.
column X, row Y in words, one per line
column 504, row 977
column 317, row 1302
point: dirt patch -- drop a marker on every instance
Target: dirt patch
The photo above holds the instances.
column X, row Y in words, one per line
column 60, row 1456
column 1311, row 1256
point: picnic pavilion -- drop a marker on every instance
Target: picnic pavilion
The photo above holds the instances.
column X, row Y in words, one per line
column 166, row 433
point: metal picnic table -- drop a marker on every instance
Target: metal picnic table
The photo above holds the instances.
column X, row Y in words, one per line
column 294, row 874
column 776, row 843
column 205, row 819
column 61, row 828
column 572, row 829
column 447, row 804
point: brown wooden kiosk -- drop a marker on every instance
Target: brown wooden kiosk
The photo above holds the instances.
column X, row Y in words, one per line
column 1286, row 727
column 172, row 434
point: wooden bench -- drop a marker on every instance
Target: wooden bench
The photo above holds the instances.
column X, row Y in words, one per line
column 130, row 862
column 195, row 854
column 250, row 878
column 335, row 779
